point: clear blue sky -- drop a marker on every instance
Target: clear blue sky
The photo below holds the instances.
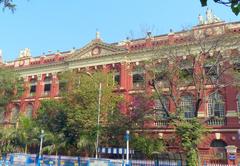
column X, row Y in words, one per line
column 44, row 25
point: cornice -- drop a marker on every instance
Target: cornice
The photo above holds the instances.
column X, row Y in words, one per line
column 117, row 57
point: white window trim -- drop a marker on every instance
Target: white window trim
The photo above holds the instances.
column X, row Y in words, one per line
column 207, row 105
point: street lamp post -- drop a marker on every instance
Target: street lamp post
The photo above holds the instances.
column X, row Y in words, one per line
column 127, row 140
column 98, row 113
column 98, row 116
column 41, row 142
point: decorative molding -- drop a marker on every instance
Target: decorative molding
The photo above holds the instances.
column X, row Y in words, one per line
column 218, row 136
column 39, row 77
column 201, row 115
column 231, row 113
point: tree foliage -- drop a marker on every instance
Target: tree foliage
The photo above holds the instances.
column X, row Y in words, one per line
column 176, row 69
column 9, row 4
column 190, row 133
column 71, row 121
column 234, row 4
column 11, row 87
column 147, row 145
column 19, row 139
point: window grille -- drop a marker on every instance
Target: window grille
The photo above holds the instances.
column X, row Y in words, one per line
column 216, row 105
column 187, row 106
column 159, row 110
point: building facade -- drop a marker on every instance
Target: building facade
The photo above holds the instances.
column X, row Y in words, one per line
column 125, row 59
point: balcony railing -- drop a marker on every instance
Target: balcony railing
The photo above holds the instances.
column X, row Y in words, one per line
column 31, row 94
column 216, row 122
column 138, row 85
column 46, row 93
column 161, row 123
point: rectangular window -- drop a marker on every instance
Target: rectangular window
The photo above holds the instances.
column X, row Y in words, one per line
column 47, row 85
column 138, row 80
column 62, row 86
column 237, row 67
column 186, row 75
column 212, row 72
column 138, row 77
column 159, row 76
column 187, row 106
column 33, row 89
column 117, row 78
column 47, row 89
column 215, row 105
column 159, row 109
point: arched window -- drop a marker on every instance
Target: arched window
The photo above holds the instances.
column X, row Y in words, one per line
column 218, row 144
column 187, row 106
column 216, row 105
column 159, row 108
column 15, row 113
column 238, row 103
column 29, row 110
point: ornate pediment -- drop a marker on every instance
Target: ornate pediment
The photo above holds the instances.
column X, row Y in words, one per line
column 95, row 48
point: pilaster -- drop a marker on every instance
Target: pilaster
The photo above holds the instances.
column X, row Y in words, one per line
column 54, row 86
column 231, row 105
column 40, row 86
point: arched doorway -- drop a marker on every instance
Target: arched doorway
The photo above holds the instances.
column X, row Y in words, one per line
column 218, row 152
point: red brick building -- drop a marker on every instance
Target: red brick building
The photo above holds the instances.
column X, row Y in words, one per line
column 40, row 76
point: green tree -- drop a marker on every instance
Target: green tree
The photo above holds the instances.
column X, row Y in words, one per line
column 83, row 99
column 176, row 69
column 147, row 146
column 71, row 121
column 233, row 4
column 28, row 132
column 140, row 113
column 190, row 133
column 19, row 138
column 9, row 4
column 11, row 87
column 8, row 141
column 52, row 118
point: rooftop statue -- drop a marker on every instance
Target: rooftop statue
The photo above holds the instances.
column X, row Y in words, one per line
column 25, row 53
column 210, row 18
column 97, row 34
column 200, row 19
